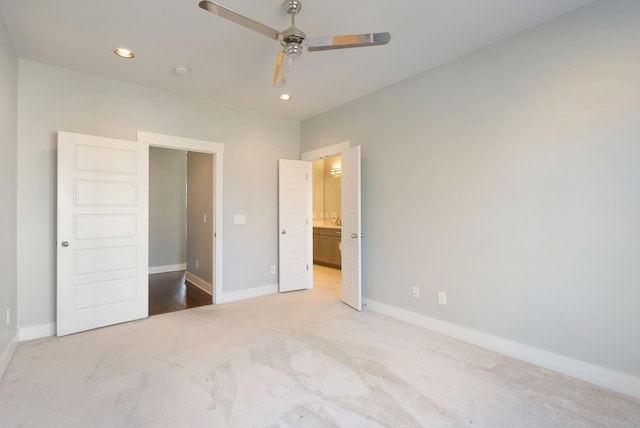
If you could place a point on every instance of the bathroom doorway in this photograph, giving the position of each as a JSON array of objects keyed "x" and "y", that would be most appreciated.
[{"x": 327, "y": 222}]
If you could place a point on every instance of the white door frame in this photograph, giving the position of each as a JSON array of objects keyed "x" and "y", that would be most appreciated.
[
  {"x": 325, "y": 152},
  {"x": 217, "y": 150}
]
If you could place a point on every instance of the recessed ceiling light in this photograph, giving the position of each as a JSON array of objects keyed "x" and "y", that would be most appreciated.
[
  {"x": 285, "y": 97},
  {"x": 124, "y": 53}
]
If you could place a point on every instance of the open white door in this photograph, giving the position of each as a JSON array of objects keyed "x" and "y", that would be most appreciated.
[
  {"x": 295, "y": 228},
  {"x": 102, "y": 241},
  {"x": 351, "y": 229}
]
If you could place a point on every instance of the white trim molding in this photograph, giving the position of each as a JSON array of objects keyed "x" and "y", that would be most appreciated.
[
  {"x": 205, "y": 286},
  {"x": 167, "y": 268},
  {"x": 597, "y": 375},
  {"x": 217, "y": 150},
  {"x": 250, "y": 293},
  {"x": 7, "y": 354},
  {"x": 183, "y": 143},
  {"x": 37, "y": 331},
  {"x": 325, "y": 152}
]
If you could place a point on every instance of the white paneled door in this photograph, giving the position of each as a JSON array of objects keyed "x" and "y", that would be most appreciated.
[
  {"x": 102, "y": 238},
  {"x": 351, "y": 229},
  {"x": 294, "y": 202}
]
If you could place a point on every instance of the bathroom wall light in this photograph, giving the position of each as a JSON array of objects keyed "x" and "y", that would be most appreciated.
[
  {"x": 124, "y": 53},
  {"x": 336, "y": 172}
]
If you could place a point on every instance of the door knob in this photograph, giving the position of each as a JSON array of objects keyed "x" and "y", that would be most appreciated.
[
  {"x": 284, "y": 231},
  {"x": 65, "y": 243},
  {"x": 354, "y": 236}
]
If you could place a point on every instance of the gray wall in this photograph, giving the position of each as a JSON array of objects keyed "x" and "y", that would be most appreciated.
[
  {"x": 199, "y": 204},
  {"x": 53, "y": 98},
  {"x": 509, "y": 179},
  {"x": 8, "y": 141},
  {"x": 167, "y": 207}
]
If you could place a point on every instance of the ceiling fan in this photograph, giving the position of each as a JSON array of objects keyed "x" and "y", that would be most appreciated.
[{"x": 292, "y": 39}]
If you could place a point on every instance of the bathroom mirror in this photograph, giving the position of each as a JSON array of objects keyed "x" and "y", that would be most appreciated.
[{"x": 326, "y": 190}]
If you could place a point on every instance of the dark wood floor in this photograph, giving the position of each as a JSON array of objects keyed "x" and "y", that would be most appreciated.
[{"x": 169, "y": 292}]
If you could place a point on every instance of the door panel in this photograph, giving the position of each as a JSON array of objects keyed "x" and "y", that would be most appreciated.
[
  {"x": 102, "y": 248},
  {"x": 88, "y": 192},
  {"x": 105, "y": 226},
  {"x": 351, "y": 229},
  {"x": 295, "y": 225}
]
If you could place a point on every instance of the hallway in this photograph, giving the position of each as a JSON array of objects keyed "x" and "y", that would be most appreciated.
[{"x": 169, "y": 292}]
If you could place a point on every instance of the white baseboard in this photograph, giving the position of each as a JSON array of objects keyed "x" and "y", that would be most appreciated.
[
  {"x": 205, "y": 286},
  {"x": 167, "y": 268},
  {"x": 7, "y": 354},
  {"x": 606, "y": 378},
  {"x": 249, "y": 293},
  {"x": 37, "y": 331}
]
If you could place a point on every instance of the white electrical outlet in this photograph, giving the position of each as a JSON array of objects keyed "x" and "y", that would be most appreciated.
[
  {"x": 273, "y": 269},
  {"x": 416, "y": 291},
  {"x": 197, "y": 264},
  {"x": 8, "y": 317},
  {"x": 442, "y": 298}
]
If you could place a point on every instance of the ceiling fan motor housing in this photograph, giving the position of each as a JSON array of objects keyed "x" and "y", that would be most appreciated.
[
  {"x": 292, "y": 40},
  {"x": 293, "y": 35}
]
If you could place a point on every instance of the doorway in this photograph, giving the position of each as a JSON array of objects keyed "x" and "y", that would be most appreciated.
[
  {"x": 216, "y": 150},
  {"x": 327, "y": 225},
  {"x": 350, "y": 231},
  {"x": 103, "y": 229},
  {"x": 180, "y": 230}
]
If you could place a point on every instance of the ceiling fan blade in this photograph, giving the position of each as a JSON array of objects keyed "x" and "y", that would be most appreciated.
[
  {"x": 283, "y": 67},
  {"x": 239, "y": 19},
  {"x": 350, "y": 41}
]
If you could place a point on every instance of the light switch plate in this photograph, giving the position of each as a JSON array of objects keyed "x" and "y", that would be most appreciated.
[
  {"x": 239, "y": 219},
  {"x": 442, "y": 298}
]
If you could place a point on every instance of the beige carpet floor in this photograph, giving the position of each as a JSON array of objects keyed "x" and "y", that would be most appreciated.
[{"x": 300, "y": 359}]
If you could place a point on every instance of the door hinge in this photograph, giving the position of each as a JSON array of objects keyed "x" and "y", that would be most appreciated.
[
  {"x": 307, "y": 222},
  {"x": 307, "y": 267},
  {"x": 307, "y": 175}
]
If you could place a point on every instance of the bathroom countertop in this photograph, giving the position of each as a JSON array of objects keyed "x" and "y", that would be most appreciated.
[{"x": 328, "y": 226}]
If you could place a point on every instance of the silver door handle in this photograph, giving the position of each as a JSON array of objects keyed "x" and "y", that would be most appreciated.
[
  {"x": 354, "y": 236},
  {"x": 65, "y": 243},
  {"x": 284, "y": 231}
]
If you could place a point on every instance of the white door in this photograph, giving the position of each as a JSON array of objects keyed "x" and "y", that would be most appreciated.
[
  {"x": 295, "y": 229},
  {"x": 102, "y": 241},
  {"x": 351, "y": 229}
]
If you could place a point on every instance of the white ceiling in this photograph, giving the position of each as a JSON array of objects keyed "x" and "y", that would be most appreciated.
[{"x": 233, "y": 65}]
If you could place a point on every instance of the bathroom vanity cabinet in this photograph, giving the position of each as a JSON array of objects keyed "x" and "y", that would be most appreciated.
[{"x": 326, "y": 246}]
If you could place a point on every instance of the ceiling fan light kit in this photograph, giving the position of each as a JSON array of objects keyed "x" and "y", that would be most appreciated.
[{"x": 293, "y": 40}]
